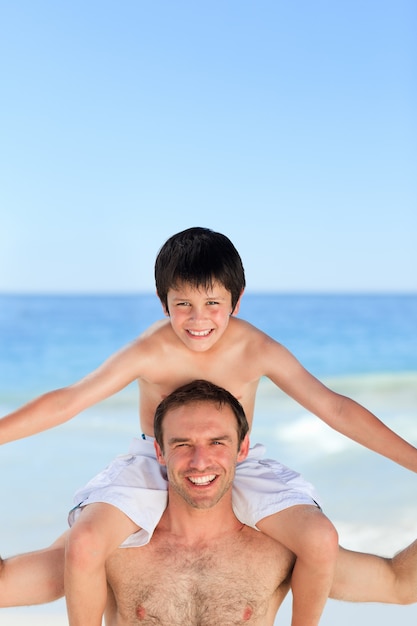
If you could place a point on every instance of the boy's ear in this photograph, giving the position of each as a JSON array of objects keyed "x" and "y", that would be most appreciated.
[
  {"x": 237, "y": 307},
  {"x": 165, "y": 310},
  {"x": 159, "y": 454}
]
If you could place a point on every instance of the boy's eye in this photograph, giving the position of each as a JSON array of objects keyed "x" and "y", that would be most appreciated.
[
  {"x": 212, "y": 302},
  {"x": 183, "y": 304}
]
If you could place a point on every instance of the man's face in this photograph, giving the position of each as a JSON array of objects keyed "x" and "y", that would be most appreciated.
[
  {"x": 199, "y": 317},
  {"x": 200, "y": 452}
]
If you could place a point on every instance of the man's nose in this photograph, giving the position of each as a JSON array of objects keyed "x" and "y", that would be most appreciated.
[{"x": 200, "y": 458}]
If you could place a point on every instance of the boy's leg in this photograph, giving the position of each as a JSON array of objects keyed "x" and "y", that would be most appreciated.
[
  {"x": 99, "y": 529},
  {"x": 363, "y": 577},
  {"x": 33, "y": 578},
  {"x": 313, "y": 539}
]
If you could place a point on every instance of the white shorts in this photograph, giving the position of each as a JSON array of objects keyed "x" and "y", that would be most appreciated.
[{"x": 136, "y": 484}]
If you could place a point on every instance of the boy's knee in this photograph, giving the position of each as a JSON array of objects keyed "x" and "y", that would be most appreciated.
[
  {"x": 321, "y": 540},
  {"x": 83, "y": 546}
]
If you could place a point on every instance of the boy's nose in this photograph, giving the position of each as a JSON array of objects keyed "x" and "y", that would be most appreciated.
[{"x": 198, "y": 313}]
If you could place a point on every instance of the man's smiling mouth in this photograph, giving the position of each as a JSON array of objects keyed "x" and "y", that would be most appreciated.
[{"x": 202, "y": 480}]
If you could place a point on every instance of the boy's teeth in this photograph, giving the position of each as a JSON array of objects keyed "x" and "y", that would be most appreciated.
[
  {"x": 199, "y": 333},
  {"x": 202, "y": 480}
]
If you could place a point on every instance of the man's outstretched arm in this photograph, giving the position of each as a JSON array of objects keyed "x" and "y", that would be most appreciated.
[
  {"x": 364, "y": 577},
  {"x": 33, "y": 578}
]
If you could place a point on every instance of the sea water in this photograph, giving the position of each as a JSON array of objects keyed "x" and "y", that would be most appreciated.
[{"x": 364, "y": 346}]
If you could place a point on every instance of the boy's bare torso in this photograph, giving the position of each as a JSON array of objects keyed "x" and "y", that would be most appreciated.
[
  {"x": 241, "y": 578},
  {"x": 233, "y": 362}
]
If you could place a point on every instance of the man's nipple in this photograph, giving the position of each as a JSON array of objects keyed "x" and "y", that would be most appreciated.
[
  {"x": 140, "y": 612},
  {"x": 247, "y": 614}
]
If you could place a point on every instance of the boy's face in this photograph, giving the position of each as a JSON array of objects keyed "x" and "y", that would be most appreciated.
[{"x": 199, "y": 317}]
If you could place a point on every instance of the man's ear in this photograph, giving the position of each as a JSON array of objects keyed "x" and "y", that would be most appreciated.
[
  {"x": 244, "y": 449},
  {"x": 237, "y": 307},
  {"x": 159, "y": 453}
]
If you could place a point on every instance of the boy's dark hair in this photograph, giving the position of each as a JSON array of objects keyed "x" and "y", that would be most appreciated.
[
  {"x": 194, "y": 393},
  {"x": 200, "y": 257}
]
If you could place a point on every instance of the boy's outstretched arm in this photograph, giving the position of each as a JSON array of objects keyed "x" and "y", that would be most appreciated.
[
  {"x": 341, "y": 413},
  {"x": 58, "y": 406},
  {"x": 362, "y": 426}
]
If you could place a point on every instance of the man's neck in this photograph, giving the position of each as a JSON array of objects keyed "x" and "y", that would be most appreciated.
[{"x": 194, "y": 525}]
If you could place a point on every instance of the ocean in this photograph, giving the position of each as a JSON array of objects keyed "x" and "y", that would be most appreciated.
[{"x": 364, "y": 346}]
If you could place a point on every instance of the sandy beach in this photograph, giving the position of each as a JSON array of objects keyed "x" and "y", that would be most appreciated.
[
  {"x": 37, "y": 616},
  {"x": 33, "y": 620}
]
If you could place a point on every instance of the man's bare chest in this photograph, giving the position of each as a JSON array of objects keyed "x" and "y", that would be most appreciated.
[{"x": 197, "y": 588}]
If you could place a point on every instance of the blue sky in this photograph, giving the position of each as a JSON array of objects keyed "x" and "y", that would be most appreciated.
[{"x": 289, "y": 126}]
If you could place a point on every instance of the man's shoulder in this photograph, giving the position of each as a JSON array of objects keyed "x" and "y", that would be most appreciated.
[{"x": 258, "y": 540}]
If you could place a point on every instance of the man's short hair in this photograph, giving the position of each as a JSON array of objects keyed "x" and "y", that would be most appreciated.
[
  {"x": 199, "y": 256},
  {"x": 200, "y": 391}
]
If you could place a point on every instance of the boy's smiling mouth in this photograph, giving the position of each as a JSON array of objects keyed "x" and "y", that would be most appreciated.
[{"x": 200, "y": 333}]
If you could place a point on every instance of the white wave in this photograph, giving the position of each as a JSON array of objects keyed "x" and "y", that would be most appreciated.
[
  {"x": 311, "y": 434},
  {"x": 282, "y": 422}
]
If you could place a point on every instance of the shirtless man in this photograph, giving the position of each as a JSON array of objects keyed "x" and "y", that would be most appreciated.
[{"x": 202, "y": 565}]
